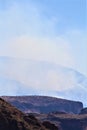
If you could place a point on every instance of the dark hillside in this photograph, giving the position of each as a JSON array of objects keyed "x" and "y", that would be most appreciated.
[
  {"x": 44, "y": 104},
  {"x": 13, "y": 119}
]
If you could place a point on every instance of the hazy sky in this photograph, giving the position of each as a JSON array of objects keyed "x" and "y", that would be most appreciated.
[{"x": 45, "y": 30}]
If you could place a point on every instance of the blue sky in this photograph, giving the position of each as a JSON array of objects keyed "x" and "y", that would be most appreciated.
[{"x": 45, "y": 30}]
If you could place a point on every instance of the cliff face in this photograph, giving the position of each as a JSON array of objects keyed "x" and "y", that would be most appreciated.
[
  {"x": 43, "y": 104},
  {"x": 83, "y": 111},
  {"x": 72, "y": 122},
  {"x": 66, "y": 121}
]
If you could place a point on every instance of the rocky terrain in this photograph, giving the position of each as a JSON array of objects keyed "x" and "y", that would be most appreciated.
[
  {"x": 13, "y": 119},
  {"x": 44, "y": 104},
  {"x": 65, "y": 121},
  {"x": 83, "y": 111},
  {"x": 42, "y": 113}
]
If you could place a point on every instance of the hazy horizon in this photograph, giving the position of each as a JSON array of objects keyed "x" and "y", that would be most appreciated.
[{"x": 50, "y": 33}]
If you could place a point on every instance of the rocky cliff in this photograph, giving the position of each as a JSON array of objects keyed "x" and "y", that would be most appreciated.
[
  {"x": 44, "y": 104},
  {"x": 65, "y": 121},
  {"x": 83, "y": 111}
]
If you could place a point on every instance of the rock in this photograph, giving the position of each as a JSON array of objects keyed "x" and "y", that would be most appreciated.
[
  {"x": 44, "y": 104},
  {"x": 49, "y": 125},
  {"x": 83, "y": 111},
  {"x": 66, "y": 121},
  {"x": 13, "y": 119}
]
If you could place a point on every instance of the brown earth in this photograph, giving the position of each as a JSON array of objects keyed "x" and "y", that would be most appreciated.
[{"x": 13, "y": 119}]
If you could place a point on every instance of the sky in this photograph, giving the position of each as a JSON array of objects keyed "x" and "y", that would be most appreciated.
[{"x": 45, "y": 30}]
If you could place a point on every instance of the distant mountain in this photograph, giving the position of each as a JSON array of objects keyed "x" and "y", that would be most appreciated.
[
  {"x": 27, "y": 77},
  {"x": 13, "y": 87},
  {"x": 44, "y": 104}
]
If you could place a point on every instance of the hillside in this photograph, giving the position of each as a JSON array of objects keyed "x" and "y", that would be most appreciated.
[
  {"x": 43, "y": 104},
  {"x": 65, "y": 121},
  {"x": 13, "y": 119}
]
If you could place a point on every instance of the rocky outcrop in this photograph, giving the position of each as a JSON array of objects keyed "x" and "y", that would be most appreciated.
[
  {"x": 83, "y": 111},
  {"x": 65, "y": 121},
  {"x": 44, "y": 104},
  {"x": 71, "y": 122},
  {"x": 50, "y": 126}
]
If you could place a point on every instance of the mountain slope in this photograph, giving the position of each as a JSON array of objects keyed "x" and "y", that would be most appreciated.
[
  {"x": 66, "y": 121},
  {"x": 13, "y": 119},
  {"x": 44, "y": 104}
]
